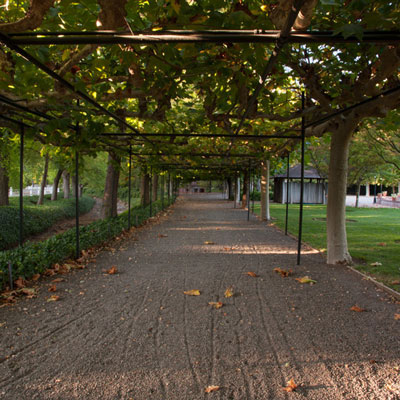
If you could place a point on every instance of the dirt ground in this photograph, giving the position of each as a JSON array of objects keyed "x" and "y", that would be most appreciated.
[{"x": 136, "y": 335}]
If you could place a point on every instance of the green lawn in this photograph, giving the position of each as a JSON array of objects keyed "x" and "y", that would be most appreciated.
[{"x": 373, "y": 235}]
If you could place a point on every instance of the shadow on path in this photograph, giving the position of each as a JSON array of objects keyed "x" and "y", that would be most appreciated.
[{"x": 135, "y": 335}]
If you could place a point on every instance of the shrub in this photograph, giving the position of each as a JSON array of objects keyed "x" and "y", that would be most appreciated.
[
  {"x": 34, "y": 258},
  {"x": 37, "y": 218}
]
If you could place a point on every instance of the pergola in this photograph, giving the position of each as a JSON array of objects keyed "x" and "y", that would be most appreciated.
[{"x": 131, "y": 134}]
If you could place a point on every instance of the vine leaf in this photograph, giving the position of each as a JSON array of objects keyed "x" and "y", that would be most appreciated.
[
  {"x": 212, "y": 388},
  {"x": 229, "y": 292},
  {"x": 193, "y": 292},
  {"x": 291, "y": 386}
]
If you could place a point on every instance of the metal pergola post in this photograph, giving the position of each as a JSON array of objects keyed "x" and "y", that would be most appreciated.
[
  {"x": 162, "y": 191},
  {"x": 77, "y": 247},
  {"x": 287, "y": 194},
  {"x": 151, "y": 191},
  {"x": 21, "y": 186},
  {"x": 248, "y": 192},
  {"x": 129, "y": 186},
  {"x": 303, "y": 131}
]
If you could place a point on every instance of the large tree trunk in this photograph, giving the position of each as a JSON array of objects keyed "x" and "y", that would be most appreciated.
[
  {"x": 55, "y": 185},
  {"x": 155, "y": 187},
  {"x": 245, "y": 185},
  {"x": 44, "y": 180},
  {"x": 145, "y": 190},
  {"x": 265, "y": 215},
  {"x": 336, "y": 209},
  {"x": 358, "y": 194},
  {"x": 66, "y": 185},
  {"x": 4, "y": 183},
  {"x": 110, "y": 198}
]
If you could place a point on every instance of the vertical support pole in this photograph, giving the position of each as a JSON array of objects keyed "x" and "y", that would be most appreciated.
[
  {"x": 287, "y": 194},
  {"x": 234, "y": 193},
  {"x": 169, "y": 188},
  {"x": 21, "y": 186},
  {"x": 303, "y": 131},
  {"x": 151, "y": 191},
  {"x": 252, "y": 193},
  {"x": 77, "y": 246},
  {"x": 129, "y": 186},
  {"x": 248, "y": 192},
  {"x": 162, "y": 191}
]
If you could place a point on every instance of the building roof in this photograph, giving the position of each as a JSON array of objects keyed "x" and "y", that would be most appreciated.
[{"x": 295, "y": 173}]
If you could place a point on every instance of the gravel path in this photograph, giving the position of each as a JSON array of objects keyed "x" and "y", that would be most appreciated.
[{"x": 135, "y": 335}]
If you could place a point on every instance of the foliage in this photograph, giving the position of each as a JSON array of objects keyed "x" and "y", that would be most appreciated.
[
  {"x": 34, "y": 258},
  {"x": 37, "y": 218}
]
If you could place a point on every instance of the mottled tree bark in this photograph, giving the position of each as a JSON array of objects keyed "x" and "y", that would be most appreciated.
[
  {"x": 155, "y": 187},
  {"x": 44, "y": 180},
  {"x": 265, "y": 215},
  {"x": 55, "y": 185},
  {"x": 110, "y": 198},
  {"x": 145, "y": 190},
  {"x": 245, "y": 185},
  {"x": 66, "y": 184},
  {"x": 4, "y": 185}
]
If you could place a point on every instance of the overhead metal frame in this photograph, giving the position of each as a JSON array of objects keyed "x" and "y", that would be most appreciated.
[{"x": 13, "y": 41}]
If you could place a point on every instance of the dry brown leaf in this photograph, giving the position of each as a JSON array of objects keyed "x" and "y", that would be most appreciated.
[
  {"x": 227, "y": 248},
  {"x": 253, "y": 274},
  {"x": 229, "y": 292},
  {"x": 35, "y": 277},
  {"x": 20, "y": 283},
  {"x": 397, "y": 317},
  {"x": 58, "y": 280},
  {"x": 54, "y": 297},
  {"x": 395, "y": 282},
  {"x": 210, "y": 389},
  {"x": 283, "y": 272},
  {"x": 28, "y": 292},
  {"x": 357, "y": 309},
  {"x": 382, "y": 244},
  {"x": 49, "y": 272},
  {"x": 216, "y": 304},
  {"x": 291, "y": 386},
  {"x": 52, "y": 288},
  {"x": 113, "y": 270},
  {"x": 161, "y": 235},
  {"x": 306, "y": 279},
  {"x": 208, "y": 242},
  {"x": 193, "y": 292}
]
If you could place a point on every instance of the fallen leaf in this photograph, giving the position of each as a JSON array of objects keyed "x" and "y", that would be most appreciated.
[
  {"x": 397, "y": 317},
  {"x": 208, "y": 242},
  {"x": 395, "y": 282},
  {"x": 283, "y": 272},
  {"x": 20, "y": 283},
  {"x": 54, "y": 297},
  {"x": 210, "y": 389},
  {"x": 28, "y": 292},
  {"x": 49, "y": 272},
  {"x": 383, "y": 244},
  {"x": 160, "y": 235},
  {"x": 58, "y": 280},
  {"x": 193, "y": 292},
  {"x": 229, "y": 292},
  {"x": 376, "y": 264},
  {"x": 357, "y": 309},
  {"x": 253, "y": 274},
  {"x": 291, "y": 386},
  {"x": 306, "y": 279},
  {"x": 52, "y": 288},
  {"x": 227, "y": 248},
  {"x": 35, "y": 277},
  {"x": 113, "y": 270},
  {"x": 216, "y": 304}
]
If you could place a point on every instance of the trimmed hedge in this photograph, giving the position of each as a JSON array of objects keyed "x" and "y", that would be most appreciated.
[
  {"x": 34, "y": 258},
  {"x": 37, "y": 218}
]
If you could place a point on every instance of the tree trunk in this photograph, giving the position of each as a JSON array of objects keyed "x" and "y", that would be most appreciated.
[
  {"x": 110, "y": 198},
  {"x": 4, "y": 184},
  {"x": 245, "y": 185},
  {"x": 237, "y": 193},
  {"x": 44, "y": 180},
  {"x": 155, "y": 187},
  {"x": 55, "y": 185},
  {"x": 66, "y": 186},
  {"x": 336, "y": 209},
  {"x": 265, "y": 215},
  {"x": 145, "y": 190},
  {"x": 209, "y": 186},
  {"x": 230, "y": 188},
  {"x": 73, "y": 182},
  {"x": 358, "y": 194}
]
